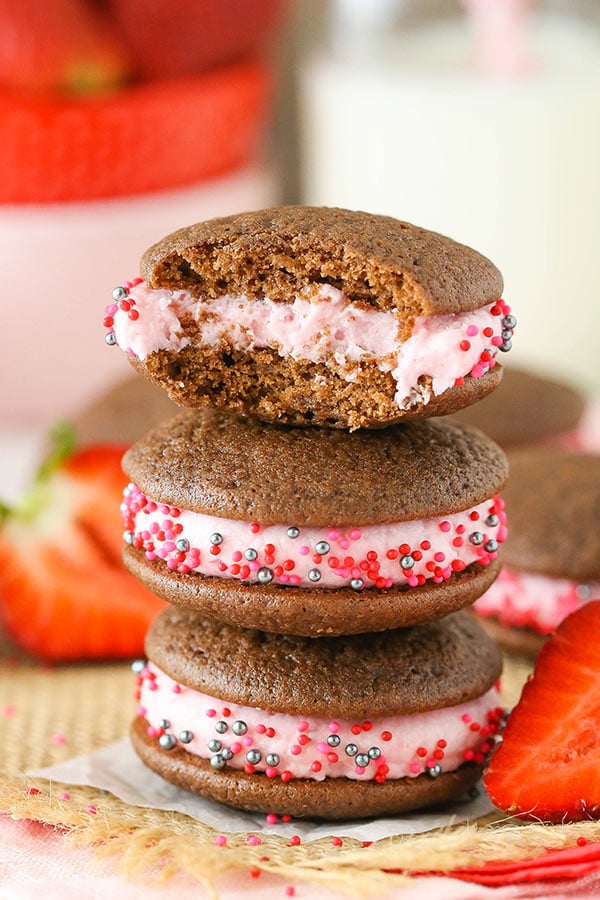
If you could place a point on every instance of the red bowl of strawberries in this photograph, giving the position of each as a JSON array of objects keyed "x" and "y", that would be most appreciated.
[{"x": 124, "y": 97}]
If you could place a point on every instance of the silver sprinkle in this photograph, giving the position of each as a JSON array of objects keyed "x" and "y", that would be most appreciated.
[
  {"x": 583, "y": 591},
  {"x": 164, "y": 724},
  {"x": 183, "y": 545},
  {"x": 491, "y": 546},
  {"x": 221, "y": 727},
  {"x": 351, "y": 749},
  {"x": 434, "y": 771},
  {"x": 505, "y": 347},
  {"x": 250, "y": 554},
  {"x": 374, "y": 753},
  {"x": 506, "y": 334},
  {"x": 167, "y": 741},
  {"x": 216, "y": 538},
  {"x": 227, "y": 753},
  {"x": 265, "y": 575},
  {"x": 322, "y": 547},
  {"x": 407, "y": 562},
  {"x": 492, "y": 521},
  {"x": 293, "y": 532},
  {"x": 509, "y": 321},
  {"x": 128, "y": 537},
  {"x": 110, "y": 338},
  {"x": 357, "y": 584},
  {"x": 239, "y": 727},
  {"x": 215, "y": 746},
  {"x": 314, "y": 575},
  {"x": 361, "y": 759},
  {"x": 253, "y": 757},
  {"x": 186, "y": 737},
  {"x": 119, "y": 293},
  {"x": 272, "y": 759},
  {"x": 217, "y": 761},
  {"x": 138, "y": 666},
  {"x": 333, "y": 740},
  {"x": 476, "y": 537}
]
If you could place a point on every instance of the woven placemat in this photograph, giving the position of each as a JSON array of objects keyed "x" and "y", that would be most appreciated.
[{"x": 48, "y": 714}]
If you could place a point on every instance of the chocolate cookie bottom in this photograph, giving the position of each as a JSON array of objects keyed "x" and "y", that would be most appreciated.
[
  {"x": 311, "y": 612},
  {"x": 292, "y": 392},
  {"x": 332, "y": 798},
  {"x": 524, "y": 641}
]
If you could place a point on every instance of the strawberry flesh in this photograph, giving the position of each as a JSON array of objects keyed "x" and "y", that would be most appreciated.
[
  {"x": 64, "y": 592},
  {"x": 548, "y": 765}
]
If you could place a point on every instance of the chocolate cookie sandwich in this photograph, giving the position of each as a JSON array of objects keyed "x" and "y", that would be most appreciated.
[
  {"x": 314, "y": 531},
  {"x": 315, "y": 316},
  {"x": 528, "y": 410},
  {"x": 335, "y": 728},
  {"x": 552, "y": 557}
]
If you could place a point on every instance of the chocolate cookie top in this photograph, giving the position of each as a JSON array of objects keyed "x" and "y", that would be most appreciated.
[
  {"x": 399, "y": 672},
  {"x": 217, "y": 463},
  {"x": 525, "y": 409},
  {"x": 553, "y": 508},
  {"x": 375, "y": 260}
]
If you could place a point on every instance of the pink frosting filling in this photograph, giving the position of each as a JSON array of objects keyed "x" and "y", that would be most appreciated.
[
  {"x": 319, "y": 325},
  {"x": 526, "y": 600},
  {"x": 289, "y": 746},
  {"x": 397, "y": 553}
]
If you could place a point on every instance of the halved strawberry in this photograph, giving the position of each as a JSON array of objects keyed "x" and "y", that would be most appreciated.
[
  {"x": 64, "y": 592},
  {"x": 548, "y": 765}
]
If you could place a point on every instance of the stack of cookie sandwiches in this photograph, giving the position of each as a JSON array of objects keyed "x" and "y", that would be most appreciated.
[{"x": 317, "y": 535}]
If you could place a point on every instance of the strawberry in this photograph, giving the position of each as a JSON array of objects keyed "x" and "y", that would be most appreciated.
[
  {"x": 171, "y": 38},
  {"x": 548, "y": 765},
  {"x": 59, "y": 46},
  {"x": 64, "y": 592}
]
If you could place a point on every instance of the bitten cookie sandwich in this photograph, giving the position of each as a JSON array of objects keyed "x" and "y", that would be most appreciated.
[
  {"x": 313, "y": 316},
  {"x": 552, "y": 557},
  {"x": 334, "y": 728},
  {"x": 314, "y": 531}
]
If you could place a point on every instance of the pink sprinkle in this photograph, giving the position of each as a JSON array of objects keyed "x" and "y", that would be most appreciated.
[
  {"x": 8, "y": 711},
  {"x": 322, "y": 747},
  {"x": 220, "y": 840},
  {"x": 467, "y": 717},
  {"x": 260, "y": 729},
  {"x": 360, "y": 770},
  {"x": 176, "y": 688},
  {"x": 290, "y": 891},
  {"x": 303, "y": 550},
  {"x": 412, "y": 581},
  {"x": 254, "y": 840},
  {"x": 337, "y": 841},
  {"x": 91, "y": 810},
  {"x": 236, "y": 555},
  {"x": 472, "y": 330},
  {"x": 477, "y": 371},
  {"x": 65, "y": 795},
  {"x": 355, "y": 534},
  {"x": 333, "y": 535},
  {"x": 294, "y": 579},
  {"x": 415, "y": 768},
  {"x": 303, "y": 726},
  {"x": 247, "y": 741},
  {"x": 344, "y": 543},
  {"x": 58, "y": 738},
  {"x": 445, "y": 526},
  {"x": 439, "y": 557},
  {"x": 295, "y": 749},
  {"x": 334, "y": 727},
  {"x": 236, "y": 747},
  {"x": 211, "y": 713},
  {"x": 271, "y": 819}
]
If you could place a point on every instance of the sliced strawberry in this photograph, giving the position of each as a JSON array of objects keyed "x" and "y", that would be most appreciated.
[
  {"x": 64, "y": 592},
  {"x": 59, "y": 45},
  {"x": 548, "y": 765}
]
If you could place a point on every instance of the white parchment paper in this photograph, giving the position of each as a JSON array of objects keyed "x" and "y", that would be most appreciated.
[{"x": 117, "y": 769}]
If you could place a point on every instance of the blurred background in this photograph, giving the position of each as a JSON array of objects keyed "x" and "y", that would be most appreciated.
[{"x": 121, "y": 120}]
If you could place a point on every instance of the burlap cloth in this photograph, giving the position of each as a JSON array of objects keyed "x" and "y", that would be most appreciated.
[{"x": 49, "y": 714}]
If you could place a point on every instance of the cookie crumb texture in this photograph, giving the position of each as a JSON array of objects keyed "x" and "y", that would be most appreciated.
[{"x": 378, "y": 262}]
